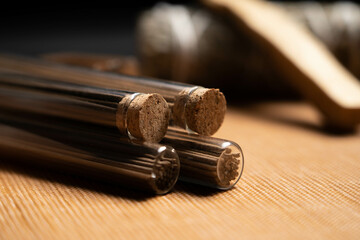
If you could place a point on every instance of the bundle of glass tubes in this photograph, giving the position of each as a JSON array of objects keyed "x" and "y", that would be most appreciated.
[{"x": 126, "y": 130}]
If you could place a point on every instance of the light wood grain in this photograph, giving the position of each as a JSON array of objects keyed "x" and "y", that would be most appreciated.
[{"x": 299, "y": 182}]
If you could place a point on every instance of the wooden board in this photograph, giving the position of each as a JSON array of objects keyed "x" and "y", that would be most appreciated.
[
  {"x": 299, "y": 183},
  {"x": 304, "y": 60}
]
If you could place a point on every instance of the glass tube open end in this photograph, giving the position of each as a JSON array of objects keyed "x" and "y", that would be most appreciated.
[
  {"x": 230, "y": 165},
  {"x": 166, "y": 170}
]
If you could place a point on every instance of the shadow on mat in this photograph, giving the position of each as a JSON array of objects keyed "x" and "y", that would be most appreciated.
[{"x": 7, "y": 164}]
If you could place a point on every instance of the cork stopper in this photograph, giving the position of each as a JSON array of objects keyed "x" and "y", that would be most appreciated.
[
  {"x": 202, "y": 110},
  {"x": 143, "y": 116}
]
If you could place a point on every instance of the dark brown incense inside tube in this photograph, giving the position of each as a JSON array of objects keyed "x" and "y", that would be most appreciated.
[
  {"x": 209, "y": 161},
  {"x": 87, "y": 150}
]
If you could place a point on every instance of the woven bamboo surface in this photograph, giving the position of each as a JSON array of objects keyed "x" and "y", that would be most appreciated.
[{"x": 299, "y": 183}]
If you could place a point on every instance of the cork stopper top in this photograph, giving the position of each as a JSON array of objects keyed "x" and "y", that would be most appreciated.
[
  {"x": 145, "y": 116},
  {"x": 202, "y": 110}
]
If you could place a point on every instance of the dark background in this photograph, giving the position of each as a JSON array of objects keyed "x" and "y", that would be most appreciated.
[
  {"x": 35, "y": 31},
  {"x": 99, "y": 30}
]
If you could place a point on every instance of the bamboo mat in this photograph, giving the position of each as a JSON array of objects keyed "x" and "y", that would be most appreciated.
[{"x": 299, "y": 183}]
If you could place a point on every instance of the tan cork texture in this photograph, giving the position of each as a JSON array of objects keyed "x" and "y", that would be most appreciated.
[
  {"x": 148, "y": 117},
  {"x": 205, "y": 110}
]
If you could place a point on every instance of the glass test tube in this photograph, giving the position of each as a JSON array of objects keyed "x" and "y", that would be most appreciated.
[
  {"x": 208, "y": 161},
  {"x": 196, "y": 108},
  {"x": 148, "y": 166},
  {"x": 141, "y": 116}
]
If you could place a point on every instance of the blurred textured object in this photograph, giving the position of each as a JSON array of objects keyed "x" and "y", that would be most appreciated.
[
  {"x": 336, "y": 24},
  {"x": 203, "y": 47}
]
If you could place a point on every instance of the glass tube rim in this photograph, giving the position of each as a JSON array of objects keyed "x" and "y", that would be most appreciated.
[
  {"x": 225, "y": 145},
  {"x": 161, "y": 151}
]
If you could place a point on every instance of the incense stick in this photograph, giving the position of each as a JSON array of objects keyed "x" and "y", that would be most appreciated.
[
  {"x": 208, "y": 161},
  {"x": 199, "y": 109},
  {"x": 142, "y": 116}
]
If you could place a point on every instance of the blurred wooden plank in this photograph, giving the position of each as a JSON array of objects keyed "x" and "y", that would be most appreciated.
[
  {"x": 299, "y": 183},
  {"x": 302, "y": 58}
]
